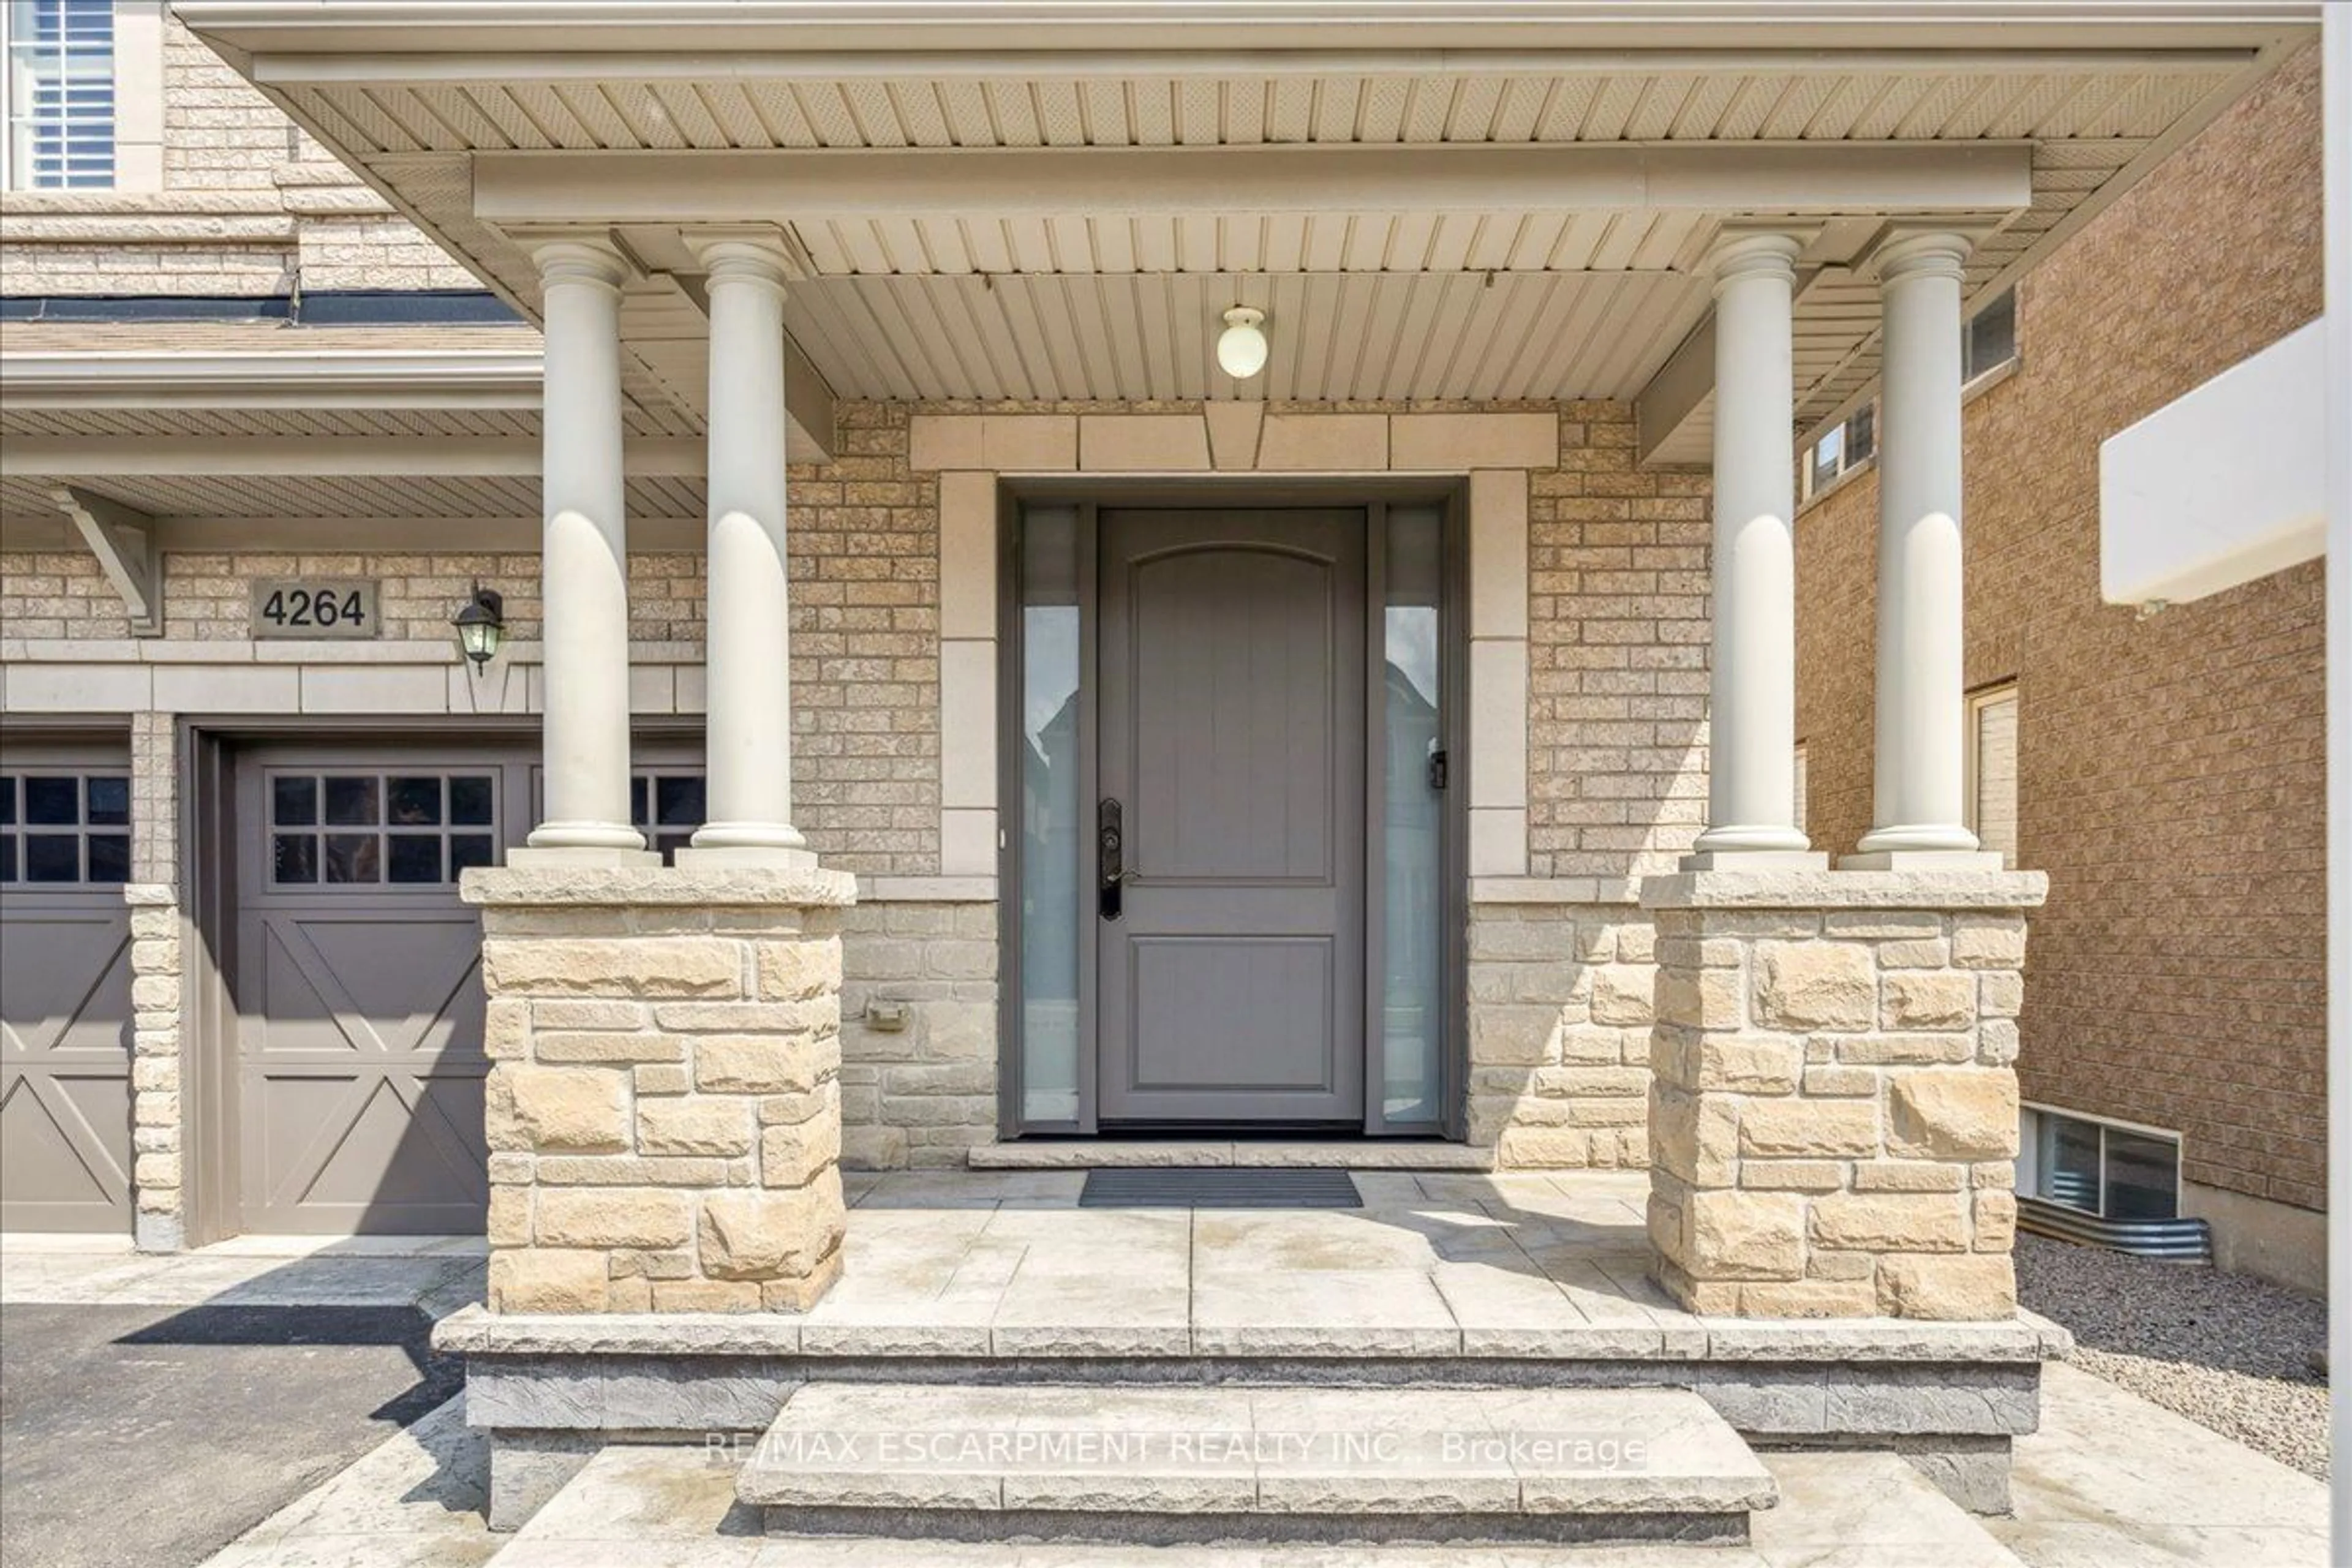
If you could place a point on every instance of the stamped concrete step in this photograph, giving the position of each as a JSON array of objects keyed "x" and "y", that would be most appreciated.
[
  {"x": 1176, "y": 1464},
  {"x": 673, "y": 1505}
]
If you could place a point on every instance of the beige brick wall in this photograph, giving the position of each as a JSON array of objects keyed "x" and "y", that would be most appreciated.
[
  {"x": 1617, "y": 649},
  {"x": 1560, "y": 1033},
  {"x": 219, "y": 132},
  {"x": 918, "y": 1096},
  {"x": 2171, "y": 768},
  {"x": 250, "y": 205}
]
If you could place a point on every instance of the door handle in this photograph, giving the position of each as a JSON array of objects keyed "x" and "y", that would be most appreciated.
[{"x": 1110, "y": 843}]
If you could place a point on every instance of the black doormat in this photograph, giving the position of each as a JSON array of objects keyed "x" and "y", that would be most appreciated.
[{"x": 1217, "y": 1187}]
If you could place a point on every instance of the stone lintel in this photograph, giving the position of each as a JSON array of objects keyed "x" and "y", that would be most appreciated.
[
  {"x": 602, "y": 887},
  {"x": 1798, "y": 890}
]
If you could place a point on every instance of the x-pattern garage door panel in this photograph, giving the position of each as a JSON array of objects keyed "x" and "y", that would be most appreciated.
[
  {"x": 65, "y": 1086},
  {"x": 65, "y": 988},
  {"x": 362, "y": 1084}
]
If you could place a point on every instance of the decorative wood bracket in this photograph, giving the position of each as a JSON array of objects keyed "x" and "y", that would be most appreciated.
[{"x": 124, "y": 543}]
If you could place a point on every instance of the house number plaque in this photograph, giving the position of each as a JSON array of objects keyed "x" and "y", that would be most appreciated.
[{"x": 315, "y": 607}]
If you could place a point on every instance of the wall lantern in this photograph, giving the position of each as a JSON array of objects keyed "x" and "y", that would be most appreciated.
[
  {"x": 1241, "y": 347},
  {"x": 480, "y": 625}
]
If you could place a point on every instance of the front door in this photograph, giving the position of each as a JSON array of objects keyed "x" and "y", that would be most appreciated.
[{"x": 1230, "y": 914}]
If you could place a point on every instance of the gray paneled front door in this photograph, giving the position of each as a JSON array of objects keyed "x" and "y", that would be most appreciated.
[{"x": 1231, "y": 983}]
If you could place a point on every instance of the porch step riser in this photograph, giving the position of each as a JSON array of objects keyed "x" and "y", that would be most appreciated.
[
  {"x": 1138, "y": 1528},
  {"x": 1781, "y": 1400},
  {"x": 1262, "y": 1465}
]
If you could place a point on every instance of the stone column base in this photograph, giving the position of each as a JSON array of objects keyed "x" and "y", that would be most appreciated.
[
  {"x": 1833, "y": 1110},
  {"x": 664, "y": 1105}
]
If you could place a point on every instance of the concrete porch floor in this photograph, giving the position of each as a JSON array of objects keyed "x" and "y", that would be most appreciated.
[{"x": 1432, "y": 1264}]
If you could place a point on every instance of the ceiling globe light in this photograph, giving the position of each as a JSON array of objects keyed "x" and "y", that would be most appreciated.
[{"x": 1241, "y": 347}]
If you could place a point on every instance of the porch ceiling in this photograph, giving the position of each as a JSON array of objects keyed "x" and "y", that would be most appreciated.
[{"x": 1060, "y": 300}]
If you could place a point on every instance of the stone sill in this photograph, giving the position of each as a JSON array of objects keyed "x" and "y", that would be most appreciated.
[
  {"x": 624, "y": 887},
  {"x": 887, "y": 890},
  {"x": 1554, "y": 890},
  {"x": 1816, "y": 890},
  {"x": 1086, "y": 1153},
  {"x": 476, "y": 1331}
]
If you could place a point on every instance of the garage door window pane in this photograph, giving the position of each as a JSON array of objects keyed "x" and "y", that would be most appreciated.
[
  {"x": 109, "y": 800},
  {"x": 7, "y": 802},
  {"x": 679, "y": 802},
  {"x": 416, "y": 858},
  {"x": 667, "y": 805},
  {"x": 109, "y": 858},
  {"x": 413, "y": 803},
  {"x": 294, "y": 858},
  {"x": 294, "y": 803},
  {"x": 53, "y": 857},
  {"x": 7, "y": 859},
  {"x": 352, "y": 856},
  {"x": 467, "y": 850},
  {"x": 470, "y": 800},
  {"x": 53, "y": 802},
  {"x": 351, "y": 802}
]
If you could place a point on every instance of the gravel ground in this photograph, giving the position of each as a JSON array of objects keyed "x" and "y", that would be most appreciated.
[{"x": 2228, "y": 1351}]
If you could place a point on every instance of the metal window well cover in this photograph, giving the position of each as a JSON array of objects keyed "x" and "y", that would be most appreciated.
[{"x": 1218, "y": 1187}]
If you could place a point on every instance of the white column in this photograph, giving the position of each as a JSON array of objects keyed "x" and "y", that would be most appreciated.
[
  {"x": 748, "y": 712},
  {"x": 1920, "y": 802},
  {"x": 584, "y": 565},
  {"x": 1752, "y": 683}
]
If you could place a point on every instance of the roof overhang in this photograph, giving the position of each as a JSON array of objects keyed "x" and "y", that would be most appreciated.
[
  {"x": 1055, "y": 199},
  {"x": 405, "y": 32},
  {"x": 272, "y": 378}
]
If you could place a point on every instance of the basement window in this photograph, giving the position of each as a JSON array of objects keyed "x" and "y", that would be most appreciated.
[
  {"x": 2111, "y": 1169},
  {"x": 57, "y": 93}
]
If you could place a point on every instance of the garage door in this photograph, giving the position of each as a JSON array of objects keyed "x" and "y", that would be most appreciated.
[
  {"x": 65, "y": 989},
  {"x": 358, "y": 993},
  {"x": 358, "y": 987}
]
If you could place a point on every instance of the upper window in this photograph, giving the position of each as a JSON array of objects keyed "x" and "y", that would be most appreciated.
[
  {"x": 1841, "y": 449},
  {"x": 65, "y": 827},
  {"x": 1989, "y": 341},
  {"x": 57, "y": 93}
]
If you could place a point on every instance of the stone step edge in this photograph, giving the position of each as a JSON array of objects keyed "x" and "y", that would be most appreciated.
[{"x": 474, "y": 1330}]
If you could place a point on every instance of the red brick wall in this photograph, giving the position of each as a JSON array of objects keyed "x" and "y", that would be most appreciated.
[{"x": 2170, "y": 768}]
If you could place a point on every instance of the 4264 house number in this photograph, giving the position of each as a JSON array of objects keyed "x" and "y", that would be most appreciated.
[{"x": 315, "y": 607}]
